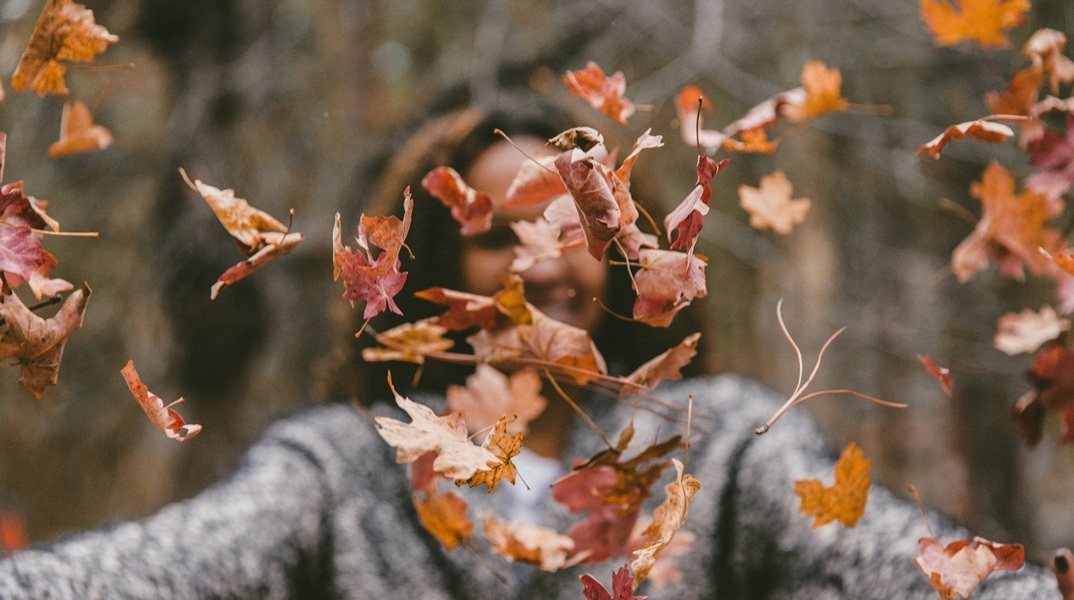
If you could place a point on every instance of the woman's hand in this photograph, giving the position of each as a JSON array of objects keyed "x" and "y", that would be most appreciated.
[{"x": 1063, "y": 567}]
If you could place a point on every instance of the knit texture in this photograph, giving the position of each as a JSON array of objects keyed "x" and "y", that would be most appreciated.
[{"x": 320, "y": 509}]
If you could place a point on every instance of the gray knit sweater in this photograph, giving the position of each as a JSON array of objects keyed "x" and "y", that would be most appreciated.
[{"x": 319, "y": 509}]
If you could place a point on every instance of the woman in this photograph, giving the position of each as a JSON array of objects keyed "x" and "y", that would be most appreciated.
[{"x": 320, "y": 509}]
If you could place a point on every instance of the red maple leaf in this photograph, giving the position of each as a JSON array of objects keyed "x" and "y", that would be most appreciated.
[{"x": 374, "y": 281}]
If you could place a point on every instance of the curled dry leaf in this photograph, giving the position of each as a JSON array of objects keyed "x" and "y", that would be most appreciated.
[
  {"x": 958, "y": 568},
  {"x": 22, "y": 256},
  {"x": 667, "y": 519},
  {"x": 275, "y": 246},
  {"x": 66, "y": 31},
  {"x": 456, "y": 456},
  {"x": 162, "y": 417},
  {"x": 622, "y": 586},
  {"x": 1026, "y": 331},
  {"x": 942, "y": 374},
  {"x": 36, "y": 344},
  {"x": 519, "y": 541},
  {"x": 444, "y": 516},
  {"x": 244, "y": 222},
  {"x": 260, "y": 235},
  {"x": 664, "y": 569},
  {"x": 489, "y": 395},
  {"x": 770, "y": 206},
  {"x": 470, "y": 208},
  {"x": 78, "y": 132},
  {"x": 410, "y": 342},
  {"x": 604, "y": 93},
  {"x": 845, "y": 500},
  {"x": 985, "y": 131},
  {"x": 582, "y": 138},
  {"x": 593, "y": 198},
  {"x": 982, "y": 21},
  {"x": 686, "y": 220}
]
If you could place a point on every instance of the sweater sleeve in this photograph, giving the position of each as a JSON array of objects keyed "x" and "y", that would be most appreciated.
[
  {"x": 773, "y": 552},
  {"x": 254, "y": 535}
]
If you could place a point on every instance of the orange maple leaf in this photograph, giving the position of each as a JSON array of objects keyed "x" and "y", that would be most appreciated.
[
  {"x": 444, "y": 516},
  {"x": 822, "y": 86},
  {"x": 845, "y": 500},
  {"x": 66, "y": 30},
  {"x": 503, "y": 446},
  {"x": 410, "y": 342},
  {"x": 771, "y": 206},
  {"x": 78, "y": 132},
  {"x": 604, "y": 93},
  {"x": 1011, "y": 230},
  {"x": 983, "y": 21}
]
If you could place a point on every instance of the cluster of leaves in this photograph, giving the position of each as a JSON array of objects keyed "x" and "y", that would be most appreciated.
[
  {"x": 67, "y": 33},
  {"x": 1018, "y": 230}
]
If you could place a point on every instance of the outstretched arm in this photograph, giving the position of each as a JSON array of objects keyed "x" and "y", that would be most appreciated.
[{"x": 255, "y": 535}]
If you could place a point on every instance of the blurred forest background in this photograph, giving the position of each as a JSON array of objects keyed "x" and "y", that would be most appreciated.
[{"x": 289, "y": 101}]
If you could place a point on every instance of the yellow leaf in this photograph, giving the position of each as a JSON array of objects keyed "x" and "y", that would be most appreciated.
[
  {"x": 845, "y": 500},
  {"x": 66, "y": 30},
  {"x": 444, "y": 516}
]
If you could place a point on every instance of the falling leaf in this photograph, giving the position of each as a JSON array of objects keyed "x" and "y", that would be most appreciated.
[
  {"x": 260, "y": 235},
  {"x": 593, "y": 198},
  {"x": 536, "y": 181},
  {"x": 22, "y": 256},
  {"x": 410, "y": 342},
  {"x": 688, "y": 105},
  {"x": 78, "y": 132},
  {"x": 1052, "y": 378},
  {"x": 667, "y": 365},
  {"x": 36, "y": 344},
  {"x": 667, "y": 519},
  {"x": 845, "y": 500},
  {"x": 985, "y": 131},
  {"x": 66, "y": 31},
  {"x": 489, "y": 394},
  {"x": 1045, "y": 48},
  {"x": 519, "y": 541},
  {"x": 942, "y": 374},
  {"x": 771, "y": 206},
  {"x": 457, "y": 457},
  {"x": 582, "y": 138},
  {"x": 604, "y": 93},
  {"x": 163, "y": 417},
  {"x": 1011, "y": 230},
  {"x": 611, "y": 490},
  {"x": 374, "y": 281},
  {"x": 822, "y": 93},
  {"x": 686, "y": 220},
  {"x": 1026, "y": 331},
  {"x": 504, "y": 446},
  {"x": 982, "y": 21},
  {"x": 276, "y": 245},
  {"x": 470, "y": 208},
  {"x": 666, "y": 283},
  {"x": 244, "y": 222},
  {"x": 958, "y": 568},
  {"x": 1053, "y": 157},
  {"x": 664, "y": 569},
  {"x": 622, "y": 586},
  {"x": 444, "y": 516}
]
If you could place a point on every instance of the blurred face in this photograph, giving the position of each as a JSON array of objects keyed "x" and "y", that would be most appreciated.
[{"x": 562, "y": 288}]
